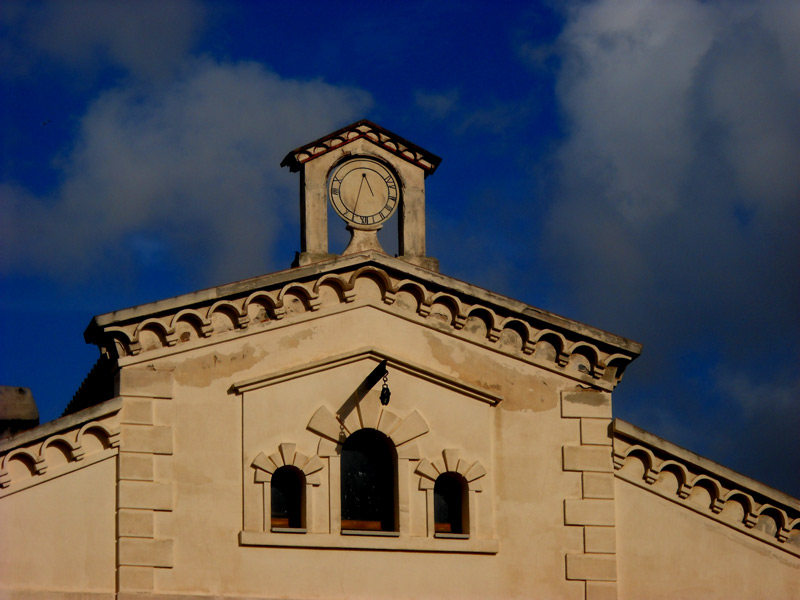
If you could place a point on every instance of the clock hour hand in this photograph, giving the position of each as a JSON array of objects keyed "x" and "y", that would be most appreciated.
[{"x": 364, "y": 178}]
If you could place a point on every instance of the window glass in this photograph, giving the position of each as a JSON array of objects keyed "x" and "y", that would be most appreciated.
[
  {"x": 287, "y": 497},
  {"x": 449, "y": 493},
  {"x": 368, "y": 481}
]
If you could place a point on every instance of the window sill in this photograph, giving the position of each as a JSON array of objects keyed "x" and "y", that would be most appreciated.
[
  {"x": 370, "y": 532},
  {"x": 370, "y": 541},
  {"x": 451, "y": 536},
  {"x": 288, "y": 530}
]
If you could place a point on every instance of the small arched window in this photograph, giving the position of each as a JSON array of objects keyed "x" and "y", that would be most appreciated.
[
  {"x": 369, "y": 473},
  {"x": 450, "y": 508},
  {"x": 286, "y": 497}
]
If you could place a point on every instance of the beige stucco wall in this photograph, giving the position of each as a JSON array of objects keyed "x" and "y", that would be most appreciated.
[
  {"x": 60, "y": 535},
  {"x": 666, "y": 551},
  {"x": 217, "y": 433}
]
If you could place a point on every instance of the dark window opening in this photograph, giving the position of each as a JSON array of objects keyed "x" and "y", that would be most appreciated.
[
  {"x": 449, "y": 504},
  {"x": 287, "y": 497},
  {"x": 368, "y": 482}
]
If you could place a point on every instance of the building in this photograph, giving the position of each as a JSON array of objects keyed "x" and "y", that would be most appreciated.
[{"x": 362, "y": 426}]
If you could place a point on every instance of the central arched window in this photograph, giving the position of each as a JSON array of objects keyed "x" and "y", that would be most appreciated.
[
  {"x": 369, "y": 475},
  {"x": 286, "y": 497}
]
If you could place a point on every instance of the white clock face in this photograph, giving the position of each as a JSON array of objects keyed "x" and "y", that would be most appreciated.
[{"x": 364, "y": 192}]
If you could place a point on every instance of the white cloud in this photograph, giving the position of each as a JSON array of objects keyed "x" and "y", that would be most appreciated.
[
  {"x": 190, "y": 168},
  {"x": 677, "y": 213},
  {"x": 146, "y": 38}
]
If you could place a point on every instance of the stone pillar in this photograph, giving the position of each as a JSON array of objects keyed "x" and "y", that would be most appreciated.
[
  {"x": 595, "y": 510},
  {"x": 145, "y": 438}
]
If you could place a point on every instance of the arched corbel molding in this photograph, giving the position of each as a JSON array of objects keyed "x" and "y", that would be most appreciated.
[
  {"x": 491, "y": 320},
  {"x": 310, "y": 299},
  {"x": 345, "y": 289},
  {"x": 454, "y": 305},
  {"x": 274, "y": 307},
  {"x": 388, "y": 293},
  {"x": 522, "y": 329},
  {"x": 188, "y": 315},
  {"x": 165, "y": 334},
  {"x": 129, "y": 344},
  {"x": 545, "y": 335},
  {"x": 419, "y": 292},
  {"x": 238, "y": 316}
]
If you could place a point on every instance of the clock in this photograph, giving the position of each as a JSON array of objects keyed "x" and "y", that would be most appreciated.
[{"x": 364, "y": 192}]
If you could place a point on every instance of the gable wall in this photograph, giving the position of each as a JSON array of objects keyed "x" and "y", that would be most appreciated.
[
  {"x": 217, "y": 432},
  {"x": 667, "y": 551}
]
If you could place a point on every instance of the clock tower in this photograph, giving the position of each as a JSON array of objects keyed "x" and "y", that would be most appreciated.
[{"x": 369, "y": 176}]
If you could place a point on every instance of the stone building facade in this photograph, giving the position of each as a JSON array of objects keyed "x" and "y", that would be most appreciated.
[{"x": 362, "y": 426}]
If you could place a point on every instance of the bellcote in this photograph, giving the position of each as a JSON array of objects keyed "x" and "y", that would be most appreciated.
[{"x": 370, "y": 176}]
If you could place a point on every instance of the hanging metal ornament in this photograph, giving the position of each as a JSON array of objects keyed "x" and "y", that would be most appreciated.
[{"x": 385, "y": 392}]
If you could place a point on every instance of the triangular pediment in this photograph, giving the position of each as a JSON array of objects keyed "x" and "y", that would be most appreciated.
[{"x": 366, "y": 130}]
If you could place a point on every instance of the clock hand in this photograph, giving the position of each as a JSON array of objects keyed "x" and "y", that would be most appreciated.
[
  {"x": 358, "y": 195},
  {"x": 364, "y": 175}
]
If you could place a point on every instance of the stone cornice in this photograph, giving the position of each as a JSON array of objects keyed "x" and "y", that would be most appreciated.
[
  {"x": 706, "y": 487},
  {"x": 59, "y": 447},
  {"x": 391, "y": 142},
  {"x": 581, "y": 352}
]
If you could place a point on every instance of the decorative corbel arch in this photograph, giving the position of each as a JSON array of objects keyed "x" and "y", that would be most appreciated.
[
  {"x": 345, "y": 289},
  {"x": 388, "y": 292},
  {"x": 188, "y": 315},
  {"x": 522, "y": 329},
  {"x": 491, "y": 320},
  {"x": 275, "y": 307},
  {"x": 157, "y": 327},
  {"x": 310, "y": 299},
  {"x": 238, "y": 316},
  {"x": 459, "y": 318}
]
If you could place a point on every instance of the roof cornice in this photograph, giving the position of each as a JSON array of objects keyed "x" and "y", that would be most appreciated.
[
  {"x": 605, "y": 355},
  {"x": 766, "y": 513}
]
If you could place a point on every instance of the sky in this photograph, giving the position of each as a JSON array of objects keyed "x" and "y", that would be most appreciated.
[{"x": 629, "y": 164}]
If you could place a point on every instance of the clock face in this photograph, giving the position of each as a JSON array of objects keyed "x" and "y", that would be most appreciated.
[{"x": 364, "y": 192}]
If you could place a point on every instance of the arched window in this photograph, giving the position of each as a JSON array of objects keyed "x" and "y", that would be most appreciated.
[
  {"x": 286, "y": 497},
  {"x": 369, "y": 465},
  {"x": 450, "y": 508}
]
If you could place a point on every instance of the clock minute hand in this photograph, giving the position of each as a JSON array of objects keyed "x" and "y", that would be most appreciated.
[{"x": 358, "y": 195}]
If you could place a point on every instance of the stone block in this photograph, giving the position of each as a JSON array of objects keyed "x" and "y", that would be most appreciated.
[
  {"x": 135, "y": 579},
  {"x": 145, "y": 494},
  {"x": 601, "y": 590},
  {"x": 135, "y": 523},
  {"x": 145, "y": 552},
  {"x": 598, "y": 485},
  {"x": 596, "y": 405},
  {"x": 595, "y": 432},
  {"x": 589, "y": 512},
  {"x": 601, "y": 540},
  {"x": 135, "y": 466},
  {"x": 587, "y": 458},
  {"x": 144, "y": 383},
  {"x": 592, "y": 567},
  {"x": 137, "y": 411},
  {"x": 143, "y": 438}
]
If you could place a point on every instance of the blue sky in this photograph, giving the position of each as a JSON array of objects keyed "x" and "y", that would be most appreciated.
[{"x": 626, "y": 163}]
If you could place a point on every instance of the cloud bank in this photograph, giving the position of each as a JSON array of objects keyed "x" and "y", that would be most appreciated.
[
  {"x": 677, "y": 212},
  {"x": 178, "y": 159}
]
